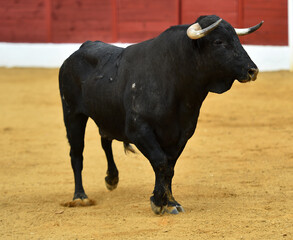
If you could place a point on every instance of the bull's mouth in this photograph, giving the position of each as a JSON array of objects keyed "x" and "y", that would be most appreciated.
[{"x": 244, "y": 80}]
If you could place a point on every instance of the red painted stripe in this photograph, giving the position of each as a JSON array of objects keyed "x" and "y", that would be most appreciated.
[
  {"x": 240, "y": 13},
  {"x": 114, "y": 21},
  {"x": 179, "y": 12},
  {"x": 48, "y": 17}
]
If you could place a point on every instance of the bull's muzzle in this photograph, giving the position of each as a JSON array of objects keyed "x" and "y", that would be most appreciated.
[{"x": 251, "y": 75}]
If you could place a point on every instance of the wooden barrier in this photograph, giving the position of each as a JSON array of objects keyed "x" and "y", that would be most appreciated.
[{"x": 75, "y": 21}]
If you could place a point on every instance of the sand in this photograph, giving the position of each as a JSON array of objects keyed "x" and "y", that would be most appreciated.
[{"x": 234, "y": 178}]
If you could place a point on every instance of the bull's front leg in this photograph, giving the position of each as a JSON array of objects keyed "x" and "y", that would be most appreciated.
[
  {"x": 173, "y": 206},
  {"x": 142, "y": 135}
]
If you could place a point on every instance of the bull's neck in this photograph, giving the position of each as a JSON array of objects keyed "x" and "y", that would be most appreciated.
[{"x": 188, "y": 79}]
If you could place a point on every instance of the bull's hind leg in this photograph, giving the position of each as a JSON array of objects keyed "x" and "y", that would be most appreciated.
[
  {"x": 75, "y": 127},
  {"x": 112, "y": 177}
]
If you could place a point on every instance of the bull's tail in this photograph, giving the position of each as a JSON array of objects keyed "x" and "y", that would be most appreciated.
[{"x": 128, "y": 148}]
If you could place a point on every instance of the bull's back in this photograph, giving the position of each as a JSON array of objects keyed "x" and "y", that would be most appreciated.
[{"x": 88, "y": 81}]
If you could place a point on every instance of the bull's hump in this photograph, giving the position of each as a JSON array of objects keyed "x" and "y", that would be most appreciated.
[{"x": 99, "y": 52}]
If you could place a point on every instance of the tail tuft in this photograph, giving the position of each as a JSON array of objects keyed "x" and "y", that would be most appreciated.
[{"x": 128, "y": 148}]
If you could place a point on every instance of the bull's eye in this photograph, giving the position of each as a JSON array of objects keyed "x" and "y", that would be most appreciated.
[{"x": 218, "y": 42}]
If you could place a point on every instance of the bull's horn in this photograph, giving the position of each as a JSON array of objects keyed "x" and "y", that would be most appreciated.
[
  {"x": 195, "y": 31},
  {"x": 245, "y": 31}
]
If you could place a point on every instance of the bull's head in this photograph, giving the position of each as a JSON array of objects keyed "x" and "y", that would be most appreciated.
[{"x": 222, "y": 54}]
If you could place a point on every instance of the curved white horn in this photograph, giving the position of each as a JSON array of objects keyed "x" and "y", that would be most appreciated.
[
  {"x": 195, "y": 31},
  {"x": 245, "y": 31}
]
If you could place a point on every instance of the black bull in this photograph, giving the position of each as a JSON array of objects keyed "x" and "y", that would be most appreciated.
[{"x": 149, "y": 94}]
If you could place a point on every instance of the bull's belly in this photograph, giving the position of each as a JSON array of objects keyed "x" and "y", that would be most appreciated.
[
  {"x": 102, "y": 102},
  {"x": 110, "y": 122}
]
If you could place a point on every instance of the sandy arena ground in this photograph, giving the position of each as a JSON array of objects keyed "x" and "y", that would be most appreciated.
[{"x": 234, "y": 178}]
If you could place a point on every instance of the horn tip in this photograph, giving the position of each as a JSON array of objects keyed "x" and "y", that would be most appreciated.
[{"x": 261, "y": 23}]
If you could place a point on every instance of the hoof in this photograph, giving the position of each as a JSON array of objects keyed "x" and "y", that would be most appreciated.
[
  {"x": 174, "y": 206},
  {"x": 174, "y": 209},
  {"x": 79, "y": 200},
  {"x": 111, "y": 183},
  {"x": 171, "y": 208},
  {"x": 159, "y": 210},
  {"x": 180, "y": 208},
  {"x": 79, "y": 203}
]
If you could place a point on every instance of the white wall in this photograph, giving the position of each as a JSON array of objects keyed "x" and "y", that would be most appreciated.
[{"x": 267, "y": 58}]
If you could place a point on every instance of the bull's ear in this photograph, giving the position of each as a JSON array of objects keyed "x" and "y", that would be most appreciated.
[{"x": 245, "y": 31}]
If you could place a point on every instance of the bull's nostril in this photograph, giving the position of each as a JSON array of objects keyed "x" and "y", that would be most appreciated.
[{"x": 253, "y": 73}]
